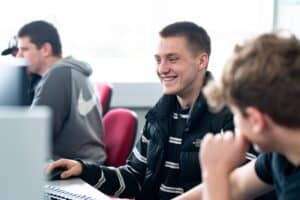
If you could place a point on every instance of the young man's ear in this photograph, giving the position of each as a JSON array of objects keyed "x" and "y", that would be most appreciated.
[
  {"x": 46, "y": 49},
  {"x": 203, "y": 60},
  {"x": 256, "y": 118}
]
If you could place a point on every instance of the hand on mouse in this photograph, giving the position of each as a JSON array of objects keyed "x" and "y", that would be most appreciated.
[
  {"x": 72, "y": 168},
  {"x": 55, "y": 174}
]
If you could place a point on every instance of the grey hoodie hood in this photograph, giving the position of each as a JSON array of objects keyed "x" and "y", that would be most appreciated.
[
  {"x": 77, "y": 65},
  {"x": 76, "y": 127}
]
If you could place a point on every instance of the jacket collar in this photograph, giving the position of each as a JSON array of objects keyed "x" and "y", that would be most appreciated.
[{"x": 165, "y": 105}]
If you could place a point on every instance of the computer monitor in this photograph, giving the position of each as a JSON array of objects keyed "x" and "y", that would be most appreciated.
[
  {"x": 24, "y": 138},
  {"x": 14, "y": 83}
]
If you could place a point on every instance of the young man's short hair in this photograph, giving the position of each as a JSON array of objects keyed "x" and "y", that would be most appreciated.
[
  {"x": 41, "y": 32},
  {"x": 197, "y": 37},
  {"x": 264, "y": 73}
]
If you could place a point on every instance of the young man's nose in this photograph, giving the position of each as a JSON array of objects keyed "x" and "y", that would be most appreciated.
[{"x": 163, "y": 67}]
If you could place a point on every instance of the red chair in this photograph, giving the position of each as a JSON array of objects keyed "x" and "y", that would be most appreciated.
[
  {"x": 105, "y": 93},
  {"x": 120, "y": 126}
]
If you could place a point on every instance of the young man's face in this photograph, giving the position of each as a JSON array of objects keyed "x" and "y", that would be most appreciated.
[
  {"x": 247, "y": 126},
  {"x": 31, "y": 53},
  {"x": 177, "y": 67}
]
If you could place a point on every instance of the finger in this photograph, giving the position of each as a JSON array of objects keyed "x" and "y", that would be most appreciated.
[
  {"x": 204, "y": 142},
  {"x": 67, "y": 173},
  {"x": 75, "y": 170},
  {"x": 228, "y": 135},
  {"x": 217, "y": 137},
  {"x": 207, "y": 138},
  {"x": 228, "y": 132},
  {"x": 56, "y": 164},
  {"x": 50, "y": 167}
]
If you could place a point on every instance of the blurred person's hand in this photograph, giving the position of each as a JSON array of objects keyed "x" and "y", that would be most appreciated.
[{"x": 222, "y": 153}]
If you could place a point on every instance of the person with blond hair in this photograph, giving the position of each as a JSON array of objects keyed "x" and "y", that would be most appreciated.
[{"x": 261, "y": 85}]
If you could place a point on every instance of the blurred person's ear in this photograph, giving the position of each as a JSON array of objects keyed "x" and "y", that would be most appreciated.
[
  {"x": 257, "y": 119},
  {"x": 46, "y": 49}
]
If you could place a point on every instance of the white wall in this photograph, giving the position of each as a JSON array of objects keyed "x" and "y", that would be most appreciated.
[{"x": 119, "y": 38}]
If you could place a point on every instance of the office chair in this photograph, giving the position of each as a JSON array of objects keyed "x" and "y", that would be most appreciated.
[
  {"x": 105, "y": 91},
  {"x": 120, "y": 127}
]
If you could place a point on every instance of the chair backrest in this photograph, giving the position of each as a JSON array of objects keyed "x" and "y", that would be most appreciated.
[
  {"x": 120, "y": 126},
  {"x": 105, "y": 91}
]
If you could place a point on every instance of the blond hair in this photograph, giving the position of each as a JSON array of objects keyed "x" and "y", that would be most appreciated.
[{"x": 264, "y": 73}]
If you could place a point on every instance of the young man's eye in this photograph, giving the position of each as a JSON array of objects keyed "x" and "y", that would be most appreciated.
[
  {"x": 23, "y": 49},
  {"x": 173, "y": 60},
  {"x": 157, "y": 61}
]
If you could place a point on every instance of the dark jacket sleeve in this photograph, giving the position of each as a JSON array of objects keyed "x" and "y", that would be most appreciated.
[{"x": 125, "y": 181}]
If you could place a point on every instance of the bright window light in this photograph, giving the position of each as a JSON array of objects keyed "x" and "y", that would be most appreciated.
[{"x": 119, "y": 38}]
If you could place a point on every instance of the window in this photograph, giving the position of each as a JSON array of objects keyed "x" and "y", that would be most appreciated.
[
  {"x": 119, "y": 38},
  {"x": 288, "y": 15}
]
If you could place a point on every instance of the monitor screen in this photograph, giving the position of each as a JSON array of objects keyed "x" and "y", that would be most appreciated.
[
  {"x": 14, "y": 84},
  {"x": 24, "y": 149}
]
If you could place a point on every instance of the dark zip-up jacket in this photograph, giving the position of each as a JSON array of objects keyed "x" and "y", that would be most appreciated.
[{"x": 141, "y": 176}]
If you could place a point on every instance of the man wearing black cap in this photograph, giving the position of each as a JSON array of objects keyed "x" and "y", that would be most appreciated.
[
  {"x": 12, "y": 47},
  {"x": 13, "y": 50}
]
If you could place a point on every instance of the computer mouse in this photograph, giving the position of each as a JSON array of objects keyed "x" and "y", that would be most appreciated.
[{"x": 55, "y": 174}]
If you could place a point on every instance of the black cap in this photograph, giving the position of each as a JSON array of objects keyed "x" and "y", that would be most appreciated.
[{"x": 12, "y": 46}]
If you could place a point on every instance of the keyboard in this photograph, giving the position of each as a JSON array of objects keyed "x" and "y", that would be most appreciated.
[{"x": 72, "y": 189}]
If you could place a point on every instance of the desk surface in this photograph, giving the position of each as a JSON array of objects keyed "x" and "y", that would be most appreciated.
[{"x": 74, "y": 189}]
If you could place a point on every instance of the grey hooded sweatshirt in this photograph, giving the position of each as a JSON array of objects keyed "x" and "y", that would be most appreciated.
[{"x": 77, "y": 129}]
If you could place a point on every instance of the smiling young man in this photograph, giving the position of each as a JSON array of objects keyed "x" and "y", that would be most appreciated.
[
  {"x": 261, "y": 84},
  {"x": 65, "y": 88},
  {"x": 164, "y": 163}
]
